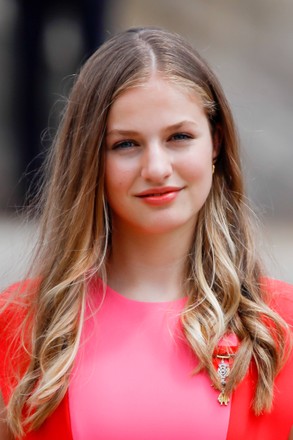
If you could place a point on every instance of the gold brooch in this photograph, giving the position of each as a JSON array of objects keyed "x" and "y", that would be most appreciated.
[
  {"x": 223, "y": 373},
  {"x": 223, "y": 361}
]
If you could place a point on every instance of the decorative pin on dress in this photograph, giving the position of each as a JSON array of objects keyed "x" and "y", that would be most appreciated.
[{"x": 223, "y": 360}]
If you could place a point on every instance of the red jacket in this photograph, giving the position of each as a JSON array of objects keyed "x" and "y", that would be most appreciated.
[{"x": 243, "y": 423}]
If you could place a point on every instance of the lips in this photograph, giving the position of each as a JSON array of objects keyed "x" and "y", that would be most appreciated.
[
  {"x": 159, "y": 197},
  {"x": 157, "y": 192}
]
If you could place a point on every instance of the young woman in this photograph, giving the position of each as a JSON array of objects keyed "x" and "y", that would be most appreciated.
[{"x": 147, "y": 315}]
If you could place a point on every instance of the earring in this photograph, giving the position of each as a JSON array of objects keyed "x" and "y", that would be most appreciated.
[{"x": 214, "y": 168}]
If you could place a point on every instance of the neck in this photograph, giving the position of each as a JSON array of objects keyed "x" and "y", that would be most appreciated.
[{"x": 149, "y": 267}]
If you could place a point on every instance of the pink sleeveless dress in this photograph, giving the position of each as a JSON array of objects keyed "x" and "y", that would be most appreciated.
[{"x": 133, "y": 378}]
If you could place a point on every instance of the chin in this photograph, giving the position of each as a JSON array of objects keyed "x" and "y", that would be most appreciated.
[{"x": 166, "y": 227}]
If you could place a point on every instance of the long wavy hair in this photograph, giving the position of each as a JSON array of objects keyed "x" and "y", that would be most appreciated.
[{"x": 222, "y": 275}]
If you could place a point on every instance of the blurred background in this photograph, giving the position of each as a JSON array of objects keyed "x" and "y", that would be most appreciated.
[{"x": 249, "y": 44}]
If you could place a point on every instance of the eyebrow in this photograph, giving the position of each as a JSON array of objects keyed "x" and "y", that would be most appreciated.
[
  {"x": 121, "y": 132},
  {"x": 176, "y": 126}
]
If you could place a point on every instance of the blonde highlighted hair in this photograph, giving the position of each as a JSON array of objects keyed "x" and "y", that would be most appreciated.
[{"x": 222, "y": 275}]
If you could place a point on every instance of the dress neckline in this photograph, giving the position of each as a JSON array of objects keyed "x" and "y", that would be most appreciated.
[{"x": 109, "y": 291}]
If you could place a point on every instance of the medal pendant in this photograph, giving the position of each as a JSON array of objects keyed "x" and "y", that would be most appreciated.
[{"x": 223, "y": 399}]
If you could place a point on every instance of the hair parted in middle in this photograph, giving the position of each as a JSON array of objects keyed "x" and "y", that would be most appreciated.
[{"x": 222, "y": 275}]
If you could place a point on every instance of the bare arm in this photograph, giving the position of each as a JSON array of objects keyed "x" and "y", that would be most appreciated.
[{"x": 5, "y": 434}]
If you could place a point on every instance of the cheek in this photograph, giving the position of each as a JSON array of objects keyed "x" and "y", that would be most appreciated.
[
  {"x": 118, "y": 178},
  {"x": 113, "y": 175},
  {"x": 198, "y": 169},
  {"x": 111, "y": 182}
]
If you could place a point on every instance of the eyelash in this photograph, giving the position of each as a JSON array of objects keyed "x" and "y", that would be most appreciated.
[
  {"x": 122, "y": 145},
  {"x": 128, "y": 143},
  {"x": 181, "y": 136}
]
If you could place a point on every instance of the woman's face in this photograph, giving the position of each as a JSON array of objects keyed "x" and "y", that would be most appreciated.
[{"x": 159, "y": 154}]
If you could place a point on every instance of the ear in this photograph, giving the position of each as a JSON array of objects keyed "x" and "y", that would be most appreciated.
[{"x": 217, "y": 141}]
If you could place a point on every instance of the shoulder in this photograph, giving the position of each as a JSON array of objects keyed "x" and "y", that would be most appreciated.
[
  {"x": 274, "y": 286},
  {"x": 18, "y": 294},
  {"x": 280, "y": 297},
  {"x": 15, "y": 304}
]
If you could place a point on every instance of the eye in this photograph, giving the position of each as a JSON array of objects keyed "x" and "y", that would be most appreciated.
[
  {"x": 123, "y": 145},
  {"x": 181, "y": 137}
]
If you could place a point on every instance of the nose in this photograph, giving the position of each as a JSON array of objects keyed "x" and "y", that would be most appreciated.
[{"x": 156, "y": 163}]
